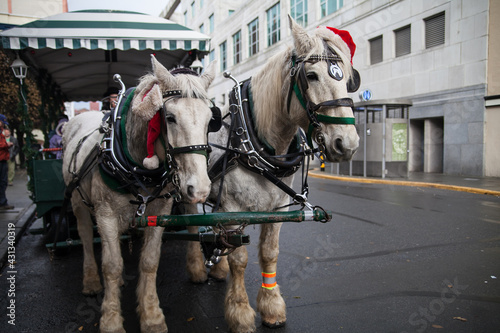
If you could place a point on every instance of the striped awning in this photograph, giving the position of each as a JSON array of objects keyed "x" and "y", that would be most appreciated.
[
  {"x": 82, "y": 50},
  {"x": 104, "y": 29}
]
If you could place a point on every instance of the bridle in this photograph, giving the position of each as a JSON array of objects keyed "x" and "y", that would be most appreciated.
[
  {"x": 170, "y": 151},
  {"x": 299, "y": 85}
]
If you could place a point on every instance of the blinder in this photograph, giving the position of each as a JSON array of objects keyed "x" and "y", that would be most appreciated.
[
  {"x": 216, "y": 121},
  {"x": 354, "y": 81}
]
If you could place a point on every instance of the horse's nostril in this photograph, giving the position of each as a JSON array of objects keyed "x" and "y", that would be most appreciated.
[
  {"x": 339, "y": 147},
  {"x": 190, "y": 190}
]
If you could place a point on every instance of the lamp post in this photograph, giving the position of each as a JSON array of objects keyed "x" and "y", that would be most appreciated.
[{"x": 20, "y": 70}]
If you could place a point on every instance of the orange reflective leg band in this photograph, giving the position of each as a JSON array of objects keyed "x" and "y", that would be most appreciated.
[{"x": 269, "y": 280}]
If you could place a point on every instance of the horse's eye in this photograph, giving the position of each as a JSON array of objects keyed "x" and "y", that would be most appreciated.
[
  {"x": 171, "y": 119},
  {"x": 311, "y": 76}
]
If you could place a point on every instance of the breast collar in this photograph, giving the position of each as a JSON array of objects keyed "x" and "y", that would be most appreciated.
[
  {"x": 118, "y": 168},
  {"x": 255, "y": 154}
]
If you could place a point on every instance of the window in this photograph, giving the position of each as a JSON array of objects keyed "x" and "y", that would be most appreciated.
[
  {"x": 223, "y": 56},
  {"x": 231, "y": 12},
  {"x": 330, "y": 6},
  {"x": 273, "y": 25},
  {"x": 376, "y": 50},
  {"x": 202, "y": 3},
  {"x": 193, "y": 10},
  {"x": 434, "y": 30},
  {"x": 298, "y": 10},
  {"x": 211, "y": 55},
  {"x": 253, "y": 37},
  {"x": 202, "y": 28},
  {"x": 237, "y": 47},
  {"x": 403, "y": 41},
  {"x": 212, "y": 23},
  {"x": 185, "y": 18}
]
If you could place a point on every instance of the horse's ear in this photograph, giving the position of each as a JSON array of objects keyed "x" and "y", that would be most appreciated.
[
  {"x": 303, "y": 42},
  {"x": 209, "y": 74},
  {"x": 148, "y": 98},
  {"x": 160, "y": 71}
]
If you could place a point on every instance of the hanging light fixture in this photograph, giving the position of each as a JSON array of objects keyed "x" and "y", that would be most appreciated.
[
  {"x": 197, "y": 65},
  {"x": 19, "y": 68}
]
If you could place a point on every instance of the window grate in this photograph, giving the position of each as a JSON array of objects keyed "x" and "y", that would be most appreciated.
[
  {"x": 434, "y": 30},
  {"x": 403, "y": 41},
  {"x": 376, "y": 50}
]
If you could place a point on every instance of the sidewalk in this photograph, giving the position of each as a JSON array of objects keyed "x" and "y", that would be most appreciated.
[
  {"x": 24, "y": 211},
  {"x": 21, "y": 216},
  {"x": 478, "y": 185}
]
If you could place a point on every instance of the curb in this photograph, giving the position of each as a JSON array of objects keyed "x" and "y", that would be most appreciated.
[
  {"x": 405, "y": 183},
  {"x": 20, "y": 225}
]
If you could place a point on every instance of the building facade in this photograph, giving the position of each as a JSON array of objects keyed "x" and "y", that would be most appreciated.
[
  {"x": 437, "y": 54},
  {"x": 18, "y": 12}
]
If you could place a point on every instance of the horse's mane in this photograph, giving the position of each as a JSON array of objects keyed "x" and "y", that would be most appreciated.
[
  {"x": 270, "y": 85},
  {"x": 186, "y": 80}
]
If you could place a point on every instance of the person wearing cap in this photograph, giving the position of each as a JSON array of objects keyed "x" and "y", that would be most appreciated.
[
  {"x": 110, "y": 99},
  {"x": 4, "y": 169}
]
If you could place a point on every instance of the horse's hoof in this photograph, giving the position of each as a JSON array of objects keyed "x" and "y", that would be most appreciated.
[
  {"x": 119, "y": 330},
  {"x": 92, "y": 290},
  {"x": 198, "y": 278},
  {"x": 218, "y": 277},
  {"x": 159, "y": 328},
  {"x": 276, "y": 324}
]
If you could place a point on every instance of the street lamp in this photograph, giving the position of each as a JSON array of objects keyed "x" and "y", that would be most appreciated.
[
  {"x": 197, "y": 65},
  {"x": 20, "y": 69}
]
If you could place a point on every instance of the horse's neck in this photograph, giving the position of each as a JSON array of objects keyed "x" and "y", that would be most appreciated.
[
  {"x": 273, "y": 122},
  {"x": 136, "y": 135}
]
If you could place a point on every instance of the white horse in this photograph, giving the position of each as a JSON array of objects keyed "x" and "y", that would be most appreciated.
[
  {"x": 325, "y": 59},
  {"x": 185, "y": 115}
]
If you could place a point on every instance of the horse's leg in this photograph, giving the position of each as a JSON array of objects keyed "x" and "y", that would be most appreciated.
[
  {"x": 150, "y": 313},
  {"x": 112, "y": 268},
  {"x": 270, "y": 304},
  {"x": 91, "y": 280},
  {"x": 195, "y": 265},
  {"x": 239, "y": 315}
]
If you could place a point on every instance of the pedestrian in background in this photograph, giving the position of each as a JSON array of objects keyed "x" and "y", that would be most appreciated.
[
  {"x": 4, "y": 169},
  {"x": 13, "y": 151},
  {"x": 56, "y": 139}
]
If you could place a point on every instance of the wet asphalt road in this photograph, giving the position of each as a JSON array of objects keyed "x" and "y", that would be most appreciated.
[{"x": 393, "y": 259}]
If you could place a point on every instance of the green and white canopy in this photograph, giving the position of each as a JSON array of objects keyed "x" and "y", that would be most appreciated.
[{"x": 82, "y": 50}]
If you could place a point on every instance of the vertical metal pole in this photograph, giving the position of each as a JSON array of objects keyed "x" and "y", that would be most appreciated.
[
  {"x": 364, "y": 141},
  {"x": 384, "y": 110},
  {"x": 407, "y": 142}
]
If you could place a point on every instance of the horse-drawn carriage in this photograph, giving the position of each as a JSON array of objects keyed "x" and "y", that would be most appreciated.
[{"x": 128, "y": 168}]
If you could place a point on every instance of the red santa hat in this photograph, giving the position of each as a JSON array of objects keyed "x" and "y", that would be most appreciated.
[{"x": 346, "y": 37}]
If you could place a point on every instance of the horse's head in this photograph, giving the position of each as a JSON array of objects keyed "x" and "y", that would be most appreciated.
[
  {"x": 323, "y": 75},
  {"x": 178, "y": 110}
]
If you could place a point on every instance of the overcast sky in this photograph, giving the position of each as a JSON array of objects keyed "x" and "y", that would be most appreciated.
[{"x": 152, "y": 7}]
